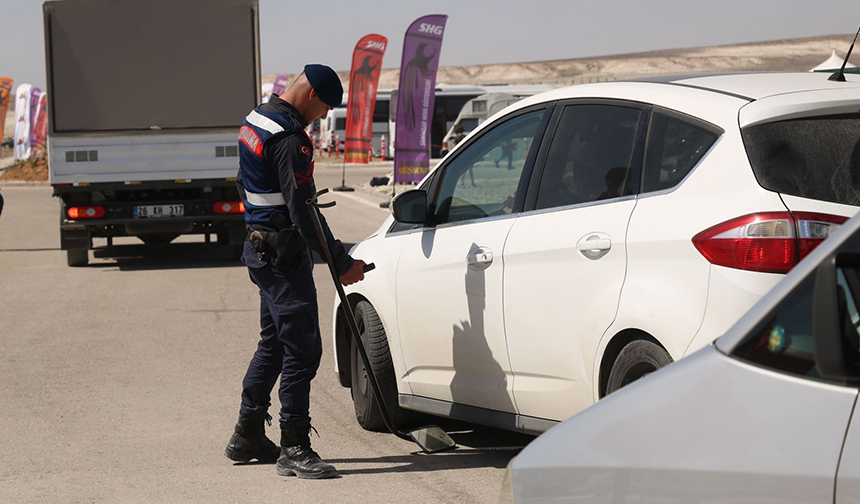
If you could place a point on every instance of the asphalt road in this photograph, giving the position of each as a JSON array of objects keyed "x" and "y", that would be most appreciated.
[{"x": 120, "y": 381}]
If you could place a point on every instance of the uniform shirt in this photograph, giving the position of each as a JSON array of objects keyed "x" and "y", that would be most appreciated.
[{"x": 290, "y": 155}]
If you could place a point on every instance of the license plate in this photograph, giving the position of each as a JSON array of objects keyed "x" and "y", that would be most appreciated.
[{"x": 156, "y": 211}]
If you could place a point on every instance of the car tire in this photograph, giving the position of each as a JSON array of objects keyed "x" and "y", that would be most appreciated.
[
  {"x": 366, "y": 403},
  {"x": 77, "y": 257},
  {"x": 636, "y": 360}
]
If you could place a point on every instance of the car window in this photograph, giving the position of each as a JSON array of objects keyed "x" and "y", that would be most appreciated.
[
  {"x": 813, "y": 157},
  {"x": 783, "y": 340},
  {"x": 482, "y": 179},
  {"x": 675, "y": 147},
  {"x": 590, "y": 156}
]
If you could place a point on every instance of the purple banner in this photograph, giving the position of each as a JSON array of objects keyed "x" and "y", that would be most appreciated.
[
  {"x": 280, "y": 85},
  {"x": 35, "y": 95},
  {"x": 416, "y": 95}
]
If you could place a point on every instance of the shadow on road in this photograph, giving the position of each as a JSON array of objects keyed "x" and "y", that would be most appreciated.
[
  {"x": 476, "y": 448},
  {"x": 173, "y": 256}
]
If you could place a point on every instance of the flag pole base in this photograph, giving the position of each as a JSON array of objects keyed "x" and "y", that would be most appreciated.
[{"x": 343, "y": 188}]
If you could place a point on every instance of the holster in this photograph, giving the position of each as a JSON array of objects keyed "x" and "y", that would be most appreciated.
[{"x": 284, "y": 246}]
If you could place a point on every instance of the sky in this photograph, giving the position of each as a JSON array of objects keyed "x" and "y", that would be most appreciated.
[{"x": 293, "y": 33}]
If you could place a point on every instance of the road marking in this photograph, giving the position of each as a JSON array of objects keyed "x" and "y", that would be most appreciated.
[{"x": 361, "y": 200}]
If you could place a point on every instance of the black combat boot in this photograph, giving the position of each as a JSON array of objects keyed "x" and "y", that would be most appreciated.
[
  {"x": 297, "y": 458},
  {"x": 249, "y": 440}
]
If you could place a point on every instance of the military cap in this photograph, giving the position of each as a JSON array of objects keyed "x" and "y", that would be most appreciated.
[{"x": 326, "y": 83}]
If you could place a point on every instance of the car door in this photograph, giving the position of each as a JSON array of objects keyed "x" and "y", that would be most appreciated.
[
  {"x": 565, "y": 260},
  {"x": 848, "y": 477},
  {"x": 449, "y": 277}
]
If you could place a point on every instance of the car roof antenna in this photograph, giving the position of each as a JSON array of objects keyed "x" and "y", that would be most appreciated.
[{"x": 840, "y": 75}]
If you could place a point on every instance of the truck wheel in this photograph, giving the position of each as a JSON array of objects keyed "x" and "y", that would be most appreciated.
[
  {"x": 376, "y": 345},
  {"x": 636, "y": 360},
  {"x": 77, "y": 257}
]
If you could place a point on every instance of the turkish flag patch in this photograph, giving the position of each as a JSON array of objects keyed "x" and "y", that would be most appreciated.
[{"x": 304, "y": 149}]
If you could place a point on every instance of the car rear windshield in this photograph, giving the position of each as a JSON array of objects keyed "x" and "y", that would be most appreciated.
[{"x": 812, "y": 157}]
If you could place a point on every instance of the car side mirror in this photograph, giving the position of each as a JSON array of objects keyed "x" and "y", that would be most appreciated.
[
  {"x": 410, "y": 207},
  {"x": 836, "y": 322}
]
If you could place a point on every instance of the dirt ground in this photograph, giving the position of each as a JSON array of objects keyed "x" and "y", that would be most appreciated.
[{"x": 33, "y": 169}]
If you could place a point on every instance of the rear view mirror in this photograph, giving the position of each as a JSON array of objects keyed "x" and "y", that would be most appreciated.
[
  {"x": 836, "y": 320},
  {"x": 410, "y": 207}
]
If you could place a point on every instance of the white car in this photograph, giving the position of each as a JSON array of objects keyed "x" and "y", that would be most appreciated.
[
  {"x": 766, "y": 414},
  {"x": 585, "y": 237}
]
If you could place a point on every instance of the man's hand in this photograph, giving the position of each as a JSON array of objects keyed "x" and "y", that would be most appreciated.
[{"x": 355, "y": 274}]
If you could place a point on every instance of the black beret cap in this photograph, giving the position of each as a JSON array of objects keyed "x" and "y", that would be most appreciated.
[{"x": 326, "y": 83}]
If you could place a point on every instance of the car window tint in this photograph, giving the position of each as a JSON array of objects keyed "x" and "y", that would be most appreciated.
[
  {"x": 783, "y": 340},
  {"x": 813, "y": 157},
  {"x": 848, "y": 294},
  {"x": 482, "y": 179},
  {"x": 675, "y": 147},
  {"x": 590, "y": 156}
]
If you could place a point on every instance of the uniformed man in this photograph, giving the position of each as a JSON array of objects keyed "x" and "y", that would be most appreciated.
[{"x": 275, "y": 179}]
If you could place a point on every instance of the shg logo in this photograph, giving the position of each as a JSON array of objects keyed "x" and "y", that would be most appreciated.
[
  {"x": 376, "y": 45},
  {"x": 428, "y": 28}
]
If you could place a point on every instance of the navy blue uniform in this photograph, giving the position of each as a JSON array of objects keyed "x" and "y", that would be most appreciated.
[{"x": 276, "y": 179}]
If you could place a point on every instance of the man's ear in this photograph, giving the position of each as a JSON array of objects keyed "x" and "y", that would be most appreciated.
[{"x": 312, "y": 94}]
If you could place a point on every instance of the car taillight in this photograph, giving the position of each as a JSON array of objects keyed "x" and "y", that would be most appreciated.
[
  {"x": 813, "y": 228},
  {"x": 87, "y": 212},
  {"x": 770, "y": 242},
  {"x": 228, "y": 207}
]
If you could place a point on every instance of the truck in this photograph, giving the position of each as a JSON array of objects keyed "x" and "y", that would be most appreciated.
[{"x": 145, "y": 100}]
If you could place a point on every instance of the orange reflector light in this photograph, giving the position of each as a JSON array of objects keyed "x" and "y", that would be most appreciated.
[
  {"x": 87, "y": 212},
  {"x": 228, "y": 207}
]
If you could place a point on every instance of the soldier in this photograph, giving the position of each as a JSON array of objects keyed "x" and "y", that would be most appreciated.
[{"x": 275, "y": 179}]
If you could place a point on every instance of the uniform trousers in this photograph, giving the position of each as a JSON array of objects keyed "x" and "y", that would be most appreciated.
[{"x": 290, "y": 345}]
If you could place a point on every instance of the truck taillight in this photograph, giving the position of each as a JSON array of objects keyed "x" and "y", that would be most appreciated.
[
  {"x": 86, "y": 212},
  {"x": 228, "y": 207},
  {"x": 769, "y": 242}
]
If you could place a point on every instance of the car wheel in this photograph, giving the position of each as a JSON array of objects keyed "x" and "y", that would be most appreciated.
[
  {"x": 636, "y": 360},
  {"x": 366, "y": 403},
  {"x": 77, "y": 257}
]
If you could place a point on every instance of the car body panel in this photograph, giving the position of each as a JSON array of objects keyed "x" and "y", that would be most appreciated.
[
  {"x": 548, "y": 332},
  {"x": 455, "y": 351},
  {"x": 799, "y": 104},
  {"x": 848, "y": 478},
  {"x": 706, "y": 429},
  {"x": 763, "y": 84}
]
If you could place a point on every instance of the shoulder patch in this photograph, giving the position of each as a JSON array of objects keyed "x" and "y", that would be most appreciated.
[
  {"x": 249, "y": 137},
  {"x": 304, "y": 149},
  {"x": 306, "y": 177}
]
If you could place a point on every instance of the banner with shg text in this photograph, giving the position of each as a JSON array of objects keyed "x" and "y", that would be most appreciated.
[
  {"x": 363, "y": 83},
  {"x": 416, "y": 95},
  {"x": 5, "y": 99}
]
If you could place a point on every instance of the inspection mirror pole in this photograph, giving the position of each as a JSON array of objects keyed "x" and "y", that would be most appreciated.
[{"x": 431, "y": 438}]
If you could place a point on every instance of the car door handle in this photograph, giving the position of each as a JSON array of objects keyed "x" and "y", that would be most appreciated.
[
  {"x": 594, "y": 245},
  {"x": 480, "y": 257}
]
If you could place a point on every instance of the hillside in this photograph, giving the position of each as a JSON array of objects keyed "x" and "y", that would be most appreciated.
[{"x": 785, "y": 55}]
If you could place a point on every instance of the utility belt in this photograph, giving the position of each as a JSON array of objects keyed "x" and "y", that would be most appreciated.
[{"x": 284, "y": 246}]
